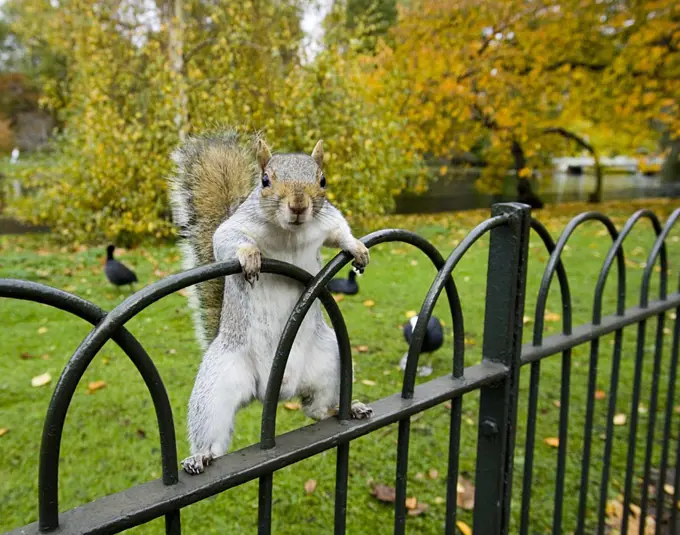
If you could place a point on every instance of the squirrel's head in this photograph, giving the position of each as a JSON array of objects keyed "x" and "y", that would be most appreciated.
[{"x": 293, "y": 186}]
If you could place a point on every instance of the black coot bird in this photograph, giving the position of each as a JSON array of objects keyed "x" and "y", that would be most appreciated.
[
  {"x": 434, "y": 339},
  {"x": 347, "y": 286},
  {"x": 118, "y": 273}
]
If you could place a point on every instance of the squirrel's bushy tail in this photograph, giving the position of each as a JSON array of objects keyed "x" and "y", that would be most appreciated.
[{"x": 215, "y": 173}]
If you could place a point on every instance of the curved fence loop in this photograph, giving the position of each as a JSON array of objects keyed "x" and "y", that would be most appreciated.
[
  {"x": 658, "y": 249},
  {"x": 109, "y": 327},
  {"x": 562, "y": 278},
  {"x": 61, "y": 397},
  {"x": 616, "y": 251},
  {"x": 316, "y": 286},
  {"x": 551, "y": 267},
  {"x": 430, "y": 301}
]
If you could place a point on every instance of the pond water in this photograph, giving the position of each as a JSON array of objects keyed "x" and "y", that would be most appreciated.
[{"x": 456, "y": 191}]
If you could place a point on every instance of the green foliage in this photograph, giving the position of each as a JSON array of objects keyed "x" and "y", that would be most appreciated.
[{"x": 121, "y": 100}]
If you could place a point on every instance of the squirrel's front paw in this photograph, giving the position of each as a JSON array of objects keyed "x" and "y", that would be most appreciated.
[
  {"x": 361, "y": 256},
  {"x": 250, "y": 260}
]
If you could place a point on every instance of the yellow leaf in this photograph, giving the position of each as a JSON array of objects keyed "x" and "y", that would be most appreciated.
[
  {"x": 362, "y": 349},
  {"x": 3, "y": 431},
  {"x": 411, "y": 503},
  {"x": 292, "y": 405},
  {"x": 553, "y": 442},
  {"x": 369, "y": 303},
  {"x": 368, "y": 382},
  {"x": 310, "y": 486},
  {"x": 669, "y": 489},
  {"x": 525, "y": 172},
  {"x": 338, "y": 297},
  {"x": 41, "y": 380},
  {"x": 442, "y": 170},
  {"x": 552, "y": 316},
  {"x": 42, "y": 330},
  {"x": 620, "y": 419},
  {"x": 527, "y": 319},
  {"x": 463, "y": 527},
  {"x": 95, "y": 385},
  {"x": 411, "y": 313}
]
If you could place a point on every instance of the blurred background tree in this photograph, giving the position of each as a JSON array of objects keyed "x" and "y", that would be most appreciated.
[{"x": 391, "y": 84}]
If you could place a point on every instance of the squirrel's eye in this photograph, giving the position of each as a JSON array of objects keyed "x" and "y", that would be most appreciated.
[
  {"x": 265, "y": 181},
  {"x": 322, "y": 182}
]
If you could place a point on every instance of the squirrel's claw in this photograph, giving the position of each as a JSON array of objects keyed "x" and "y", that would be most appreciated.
[{"x": 361, "y": 256}]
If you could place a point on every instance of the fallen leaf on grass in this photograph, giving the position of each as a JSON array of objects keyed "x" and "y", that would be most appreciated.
[
  {"x": 620, "y": 419},
  {"x": 338, "y": 297},
  {"x": 362, "y": 349},
  {"x": 419, "y": 509},
  {"x": 3, "y": 431},
  {"x": 553, "y": 442},
  {"x": 465, "y": 494},
  {"x": 411, "y": 502},
  {"x": 439, "y": 500},
  {"x": 384, "y": 493},
  {"x": 26, "y": 356},
  {"x": 552, "y": 316},
  {"x": 93, "y": 386},
  {"x": 600, "y": 394},
  {"x": 615, "y": 514},
  {"x": 411, "y": 313},
  {"x": 463, "y": 527},
  {"x": 184, "y": 292},
  {"x": 369, "y": 303},
  {"x": 433, "y": 474},
  {"x": 414, "y": 262},
  {"x": 42, "y": 330},
  {"x": 310, "y": 486},
  {"x": 368, "y": 382},
  {"x": 557, "y": 403},
  {"x": 41, "y": 380},
  {"x": 140, "y": 433},
  {"x": 292, "y": 405},
  {"x": 527, "y": 319}
]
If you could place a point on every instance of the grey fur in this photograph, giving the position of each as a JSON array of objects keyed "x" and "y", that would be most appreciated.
[{"x": 288, "y": 220}]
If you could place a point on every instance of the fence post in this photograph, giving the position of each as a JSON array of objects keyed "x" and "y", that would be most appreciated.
[{"x": 505, "y": 292}]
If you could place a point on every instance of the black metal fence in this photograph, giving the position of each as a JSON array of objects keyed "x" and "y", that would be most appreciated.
[{"x": 496, "y": 378}]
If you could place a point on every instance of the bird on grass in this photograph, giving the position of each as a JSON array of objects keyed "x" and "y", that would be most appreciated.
[
  {"x": 348, "y": 286},
  {"x": 117, "y": 272},
  {"x": 434, "y": 339}
]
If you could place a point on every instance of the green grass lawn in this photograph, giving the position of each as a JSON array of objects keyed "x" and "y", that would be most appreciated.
[{"x": 111, "y": 441}]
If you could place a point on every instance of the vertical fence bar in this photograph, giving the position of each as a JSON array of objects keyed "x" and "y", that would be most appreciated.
[
  {"x": 264, "y": 507},
  {"x": 173, "y": 524},
  {"x": 341, "y": 478},
  {"x": 562, "y": 451},
  {"x": 651, "y": 422},
  {"x": 529, "y": 446},
  {"x": 504, "y": 309},
  {"x": 609, "y": 433},
  {"x": 668, "y": 419},
  {"x": 632, "y": 433},
  {"x": 587, "y": 436}
]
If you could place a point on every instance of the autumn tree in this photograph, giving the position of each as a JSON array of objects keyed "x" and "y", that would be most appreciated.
[
  {"x": 139, "y": 78},
  {"x": 516, "y": 74}
]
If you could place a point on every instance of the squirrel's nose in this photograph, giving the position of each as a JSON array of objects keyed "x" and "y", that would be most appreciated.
[{"x": 297, "y": 209}]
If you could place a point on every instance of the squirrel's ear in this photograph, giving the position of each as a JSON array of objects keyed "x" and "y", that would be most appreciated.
[
  {"x": 263, "y": 153},
  {"x": 317, "y": 153}
]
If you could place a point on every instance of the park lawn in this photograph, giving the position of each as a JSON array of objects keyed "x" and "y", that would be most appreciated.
[{"x": 111, "y": 441}]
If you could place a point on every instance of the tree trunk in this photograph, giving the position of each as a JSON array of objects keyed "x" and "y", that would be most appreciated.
[
  {"x": 525, "y": 193},
  {"x": 596, "y": 195},
  {"x": 176, "y": 56}
]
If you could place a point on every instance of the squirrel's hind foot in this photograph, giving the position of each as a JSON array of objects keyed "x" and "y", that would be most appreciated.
[
  {"x": 360, "y": 411},
  {"x": 196, "y": 464}
]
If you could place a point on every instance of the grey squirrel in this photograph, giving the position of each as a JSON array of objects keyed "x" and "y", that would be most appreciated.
[{"x": 232, "y": 202}]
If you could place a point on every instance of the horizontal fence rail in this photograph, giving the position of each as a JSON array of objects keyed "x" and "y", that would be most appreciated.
[{"x": 496, "y": 377}]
